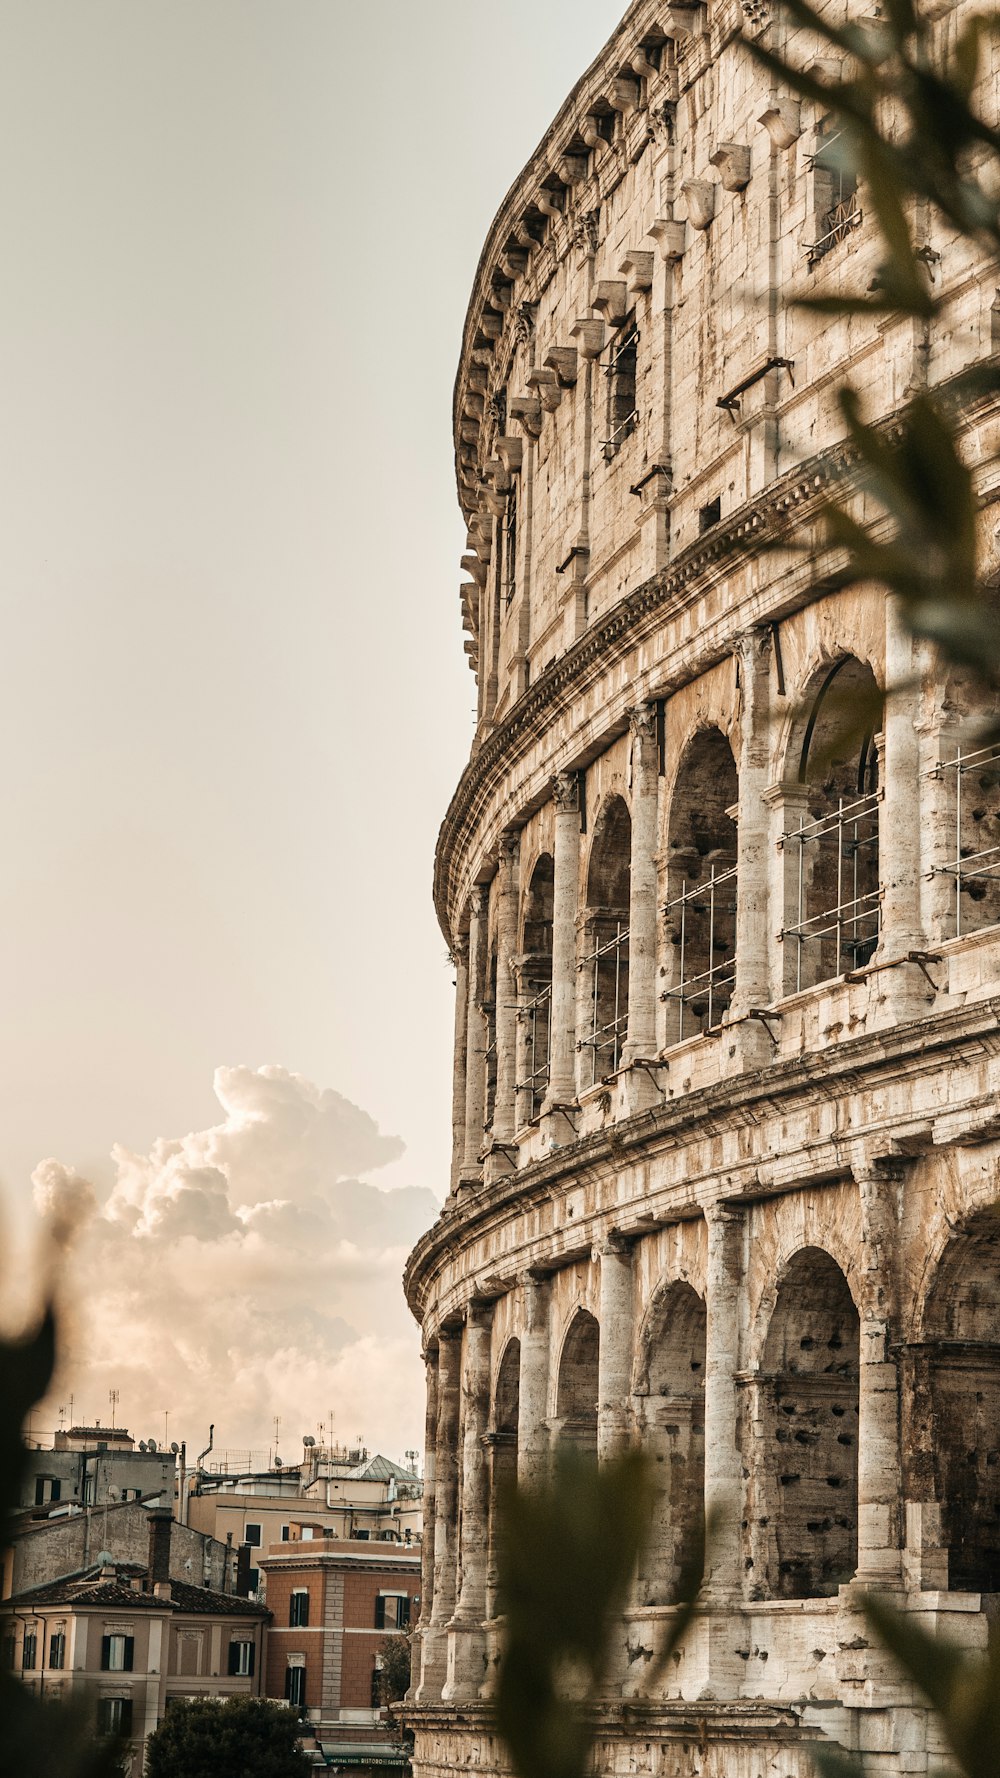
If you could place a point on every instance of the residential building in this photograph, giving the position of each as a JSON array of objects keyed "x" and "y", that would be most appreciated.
[
  {"x": 725, "y": 1134},
  {"x": 67, "y": 1539},
  {"x": 341, "y": 1490},
  {"x": 133, "y": 1639},
  {"x": 92, "y": 1465},
  {"x": 333, "y": 1603}
]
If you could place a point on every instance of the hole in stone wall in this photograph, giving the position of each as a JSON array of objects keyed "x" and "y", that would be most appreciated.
[
  {"x": 674, "y": 1435},
  {"x": 810, "y": 1386},
  {"x": 963, "y": 1330},
  {"x": 576, "y": 1397}
]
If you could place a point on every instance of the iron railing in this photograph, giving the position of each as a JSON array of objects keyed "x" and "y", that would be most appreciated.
[
  {"x": 846, "y": 927},
  {"x": 702, "y": 913},
  {"x": 975, "y": 868},
  {"x": 609, "y": 996}
]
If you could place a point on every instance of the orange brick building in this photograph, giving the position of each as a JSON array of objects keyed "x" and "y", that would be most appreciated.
[{"x": 332, "y": 1605}]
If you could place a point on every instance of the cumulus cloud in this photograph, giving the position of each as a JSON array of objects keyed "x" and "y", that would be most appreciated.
[{"x": 245, "y": 1271}]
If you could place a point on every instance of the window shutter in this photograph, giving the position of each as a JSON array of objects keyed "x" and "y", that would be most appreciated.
[
  {"x": 234, "y": 1659},
  {"x": 288, "y": 1682},
  {"x": 129, "y": 1651},
  {"x": 105, "y": 1654},
  {"x": 125, "y": 1717},
  {"x": 251, "y": 1656},
  {"x": 56, "y": 1489},
  {"x": 380, "y": 1613},
  {"x": 403, "y": 1612}
]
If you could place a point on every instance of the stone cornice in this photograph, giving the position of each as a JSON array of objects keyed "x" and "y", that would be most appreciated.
[
  {"x": 875, "y": 1060},
  {"x": 762, "y": 523}
]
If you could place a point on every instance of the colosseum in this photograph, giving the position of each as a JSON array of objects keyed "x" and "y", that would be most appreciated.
[{"x": 726, "y": 1127}]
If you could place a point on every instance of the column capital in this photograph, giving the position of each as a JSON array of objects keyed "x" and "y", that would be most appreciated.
[
  {"x": 611, "y": 1246},
  {"x": 724, "y": 1215},
  {"x": 566, "y": 792},
  {"x": 507, "y": 850},
  {"x": 479, "y": 900},
  {"x": 754, "y": 645},
  {"x": 479, "y": 1311},
  {"x": 460, "y": 951},
  {"x": 642, "y": 722}
]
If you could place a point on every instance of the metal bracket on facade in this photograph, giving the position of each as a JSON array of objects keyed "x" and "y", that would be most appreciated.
[
  {"x": 731, "y": 400},
  {"x": 764, "y": 1015},
  {"x": 921, "y": 959}
]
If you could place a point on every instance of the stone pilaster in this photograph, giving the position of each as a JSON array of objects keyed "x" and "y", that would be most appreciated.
[
  {"x": 614, "y": 1377},
  {"x": 565, "y": 895},
  {"x": 506, "y": 1003},
  {"x": 641, "y": 1036},
  {"x": 899, "y": 831},
  {"x": 533, "y": 1403},
  {"x": 434, "y": 1637},
  {"x": 466, "y": 1639},
  {"x": 879, "y": 1491},
  {"x": 723, "y": 1471},
  {"x": 460, "y": 957},
  {"x": 427, "y": 1546},
  {"x": 475, "y": 1043},
  {"x": 754, "y": 923}
]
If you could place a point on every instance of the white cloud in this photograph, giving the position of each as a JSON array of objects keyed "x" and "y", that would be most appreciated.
[{"x": 245, "y": 1271}]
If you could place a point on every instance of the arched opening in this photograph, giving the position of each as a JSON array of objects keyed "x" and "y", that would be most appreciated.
[
  {"x": 962, "y": 1328},
  {"x": 605, "y": 956},
  {"x": 535, "y": 1000},
  {"x": 674, "y": 1438},
  {"x": 834, "y": 841},
  {"x": 810, "y": 1432},
  {"x": 701, "y": 887},
  {"x": 576, "y": 1396}
]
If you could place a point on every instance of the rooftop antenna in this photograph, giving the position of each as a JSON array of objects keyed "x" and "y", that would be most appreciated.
[
  {"x": 113, "y": 1401},
  {"x": 166, "y": 1427},
  {"x": 277, "y": 1429}
]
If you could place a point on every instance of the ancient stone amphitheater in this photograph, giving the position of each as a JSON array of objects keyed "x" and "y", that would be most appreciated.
[{"x": 724, "y": 919}]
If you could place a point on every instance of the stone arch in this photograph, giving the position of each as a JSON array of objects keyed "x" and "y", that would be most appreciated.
[
  {"x": 960, "y": 1358},
  {"x": 831, "y": 824},
  {"x": 672, "y": 1388},
  {"x": 535, "y": 988},
  {"x": 577, "y": 1383},
  {"x": 804, "y": 1528},
  {"x": 605, "y": 937},
  {"x": 701, "y": 886}
]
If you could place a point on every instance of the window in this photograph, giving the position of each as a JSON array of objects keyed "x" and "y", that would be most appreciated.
[
  {"x": 10, "y": 1650},
  {"x": 298, "y": 1612},
  {"x": 114, "y": 1716},
  {"x": 47, "y": 1488},
  {"x": 116, "y": 1654},
  {"x": 252, "y": 1536},
  {"x": 253, "y": 1579},
  {"x": 57, "y": 1649},
  {"x": 710, "y": 515},
  {"x": 835, "y": 192},
  {"x": 392, "y": 1611},
  {"x": 29, "y": 1650},
  {"x": 284, "y": 1533},
  {"x": 620, "y": 372},
  {"x": 295, "y": 1687},
  {"x": 508, "y": 582},
  {"x": 241, "y": 1660}
]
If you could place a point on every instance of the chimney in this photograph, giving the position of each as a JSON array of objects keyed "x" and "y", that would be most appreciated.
[{"x": 158, "y": 1566}]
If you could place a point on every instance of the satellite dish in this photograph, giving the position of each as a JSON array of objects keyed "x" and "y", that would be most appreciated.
[
  {"x": 308, "y": 1441},
  {"x": 142, "y": 1444},
  {"x": 105, "y": 1558},
  {"x": 277, "y": 1463},
  {"x": 112, "y": 1493},
  {"x": 151, "y": 1445},
  {"x": 175, "y": 1447}
]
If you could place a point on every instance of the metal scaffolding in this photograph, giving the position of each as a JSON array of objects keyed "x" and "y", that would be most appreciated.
[
  {"x": 536, "y": 1016},
  {"x": 705, "y": 917},
  {"x": 609, "y": 995},
  {"x": 838, "y": 865},
  {"x": 975, "y": 868}
]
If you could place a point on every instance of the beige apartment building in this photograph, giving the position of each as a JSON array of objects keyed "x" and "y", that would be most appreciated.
[
  {"x": 339, "y": 1492},
  {"x": 133, "y": 1639},
  {"x": 725, "y": 1139}
]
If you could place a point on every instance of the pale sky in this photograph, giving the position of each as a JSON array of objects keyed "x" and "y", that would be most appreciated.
[{"x": 238, "y": 242}]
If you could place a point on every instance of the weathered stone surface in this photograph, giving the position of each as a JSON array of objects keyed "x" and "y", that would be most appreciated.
[{"x": 727, "y": 1049}]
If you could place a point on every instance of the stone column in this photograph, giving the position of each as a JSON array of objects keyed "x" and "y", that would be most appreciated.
[
  {"x": 427, "y": 1545},
  {"x": 466, "y": 1638},
  {"x": 475, "y": 1046},
  {"x": 899, "y": 831},
  {"x": 460, "y": 957},
  {"x": 533, "y": 1397},
  {"x": 879, "y": 1491},
  {"x": 565, "y": 895},
  {"x": 753, "y": 916},
  {"x": 506, "y": 1003},
  {"x": 641, "y": 1036},
  {"x": 434, "y": 1639},
  {"x": 614, "y": 1372},
  {"x": 723, "y": 1470}
]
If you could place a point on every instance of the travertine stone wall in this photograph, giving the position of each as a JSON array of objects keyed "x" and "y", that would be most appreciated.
[{"x": 726, "y": 1146}]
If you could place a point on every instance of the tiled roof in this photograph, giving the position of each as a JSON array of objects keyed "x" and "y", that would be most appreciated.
[{"x": 86, "y": 1588}]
